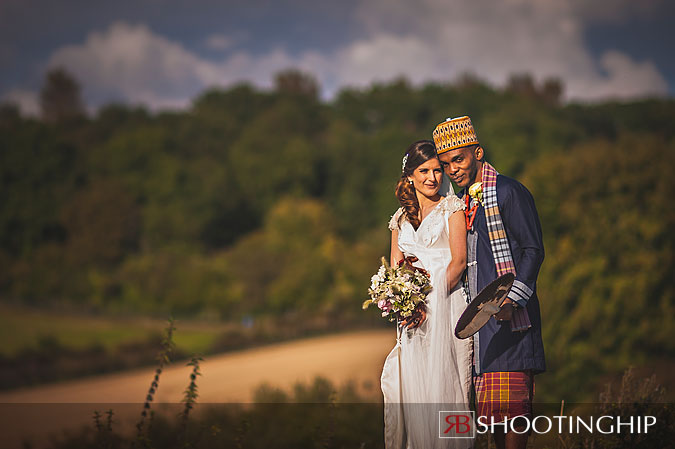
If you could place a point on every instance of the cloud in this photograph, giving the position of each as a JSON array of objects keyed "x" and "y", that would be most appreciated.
[
  {"x": 497, "y": 39},
  {"x": 622, "y": 73},
  {"x": 219, "y": 42},
  {"x": 133, "y": 64},
  {"x": 426, "y": 40},
  {"x": 26, "y": 100}
]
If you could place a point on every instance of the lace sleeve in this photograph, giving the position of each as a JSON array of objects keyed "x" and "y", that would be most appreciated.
[
  {"x": 452, "y": 204},
  {"x": 395, "y": 222}
]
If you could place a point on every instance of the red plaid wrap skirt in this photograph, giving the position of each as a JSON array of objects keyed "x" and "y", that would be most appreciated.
[{"x": 504, "y": 394}]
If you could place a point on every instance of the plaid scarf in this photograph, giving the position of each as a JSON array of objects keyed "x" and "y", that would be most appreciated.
[{"x": 498, "y": 240}]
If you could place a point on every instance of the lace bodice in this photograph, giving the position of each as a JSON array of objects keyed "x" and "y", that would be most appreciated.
[
  {"x": 431, "y": 230},
  {"x": 448, "y": 204}
]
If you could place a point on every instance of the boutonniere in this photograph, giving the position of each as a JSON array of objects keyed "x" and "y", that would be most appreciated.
[{"x": 476, "y": 192}]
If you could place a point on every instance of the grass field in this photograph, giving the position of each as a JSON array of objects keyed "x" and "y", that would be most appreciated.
[
  {"x": 40, "y": 346},
  {"x": 23, "y": 328}
]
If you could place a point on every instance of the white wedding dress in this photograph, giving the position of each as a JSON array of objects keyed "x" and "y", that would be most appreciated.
[{"x": 429, "y": 369}]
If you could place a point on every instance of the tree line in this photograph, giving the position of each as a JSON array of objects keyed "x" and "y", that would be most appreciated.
[{"x": 254, "y": 203}]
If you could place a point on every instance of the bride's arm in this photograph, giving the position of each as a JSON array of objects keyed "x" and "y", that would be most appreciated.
[
  {"x": 456, "y": 267},
  {"x": 396, "y": 253}
]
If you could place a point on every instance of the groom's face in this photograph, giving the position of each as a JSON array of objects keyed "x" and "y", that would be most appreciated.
[{"x": 462, "y": 165}]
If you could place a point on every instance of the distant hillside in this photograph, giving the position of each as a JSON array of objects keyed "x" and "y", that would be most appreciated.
[{"x": 274, "y": 203}]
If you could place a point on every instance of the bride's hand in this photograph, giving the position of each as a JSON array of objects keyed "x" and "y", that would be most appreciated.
[{"x": 408, "y": 261}]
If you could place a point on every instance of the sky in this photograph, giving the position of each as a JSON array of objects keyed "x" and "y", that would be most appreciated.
[{"x": 164, "y": 53}]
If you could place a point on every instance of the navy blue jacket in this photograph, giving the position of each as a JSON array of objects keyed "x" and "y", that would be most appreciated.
[{"x": 498, "y": 348}]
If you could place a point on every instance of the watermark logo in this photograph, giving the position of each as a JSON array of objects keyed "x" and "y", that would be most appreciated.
[{"x": 456, "y": 424}]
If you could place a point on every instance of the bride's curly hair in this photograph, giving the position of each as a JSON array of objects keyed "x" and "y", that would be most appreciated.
[{"x": 417, "y": 154}]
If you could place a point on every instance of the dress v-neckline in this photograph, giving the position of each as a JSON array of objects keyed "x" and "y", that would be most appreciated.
[{"x": 427, "y": 216}]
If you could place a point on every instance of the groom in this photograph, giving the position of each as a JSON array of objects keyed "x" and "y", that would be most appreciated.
[{"x": 503, "y": 235}]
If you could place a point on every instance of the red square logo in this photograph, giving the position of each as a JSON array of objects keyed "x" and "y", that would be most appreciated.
[{"x": 456, "y": 424}]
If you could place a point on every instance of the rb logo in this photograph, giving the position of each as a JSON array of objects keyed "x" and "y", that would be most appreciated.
[{"x": 456, "y": 424}]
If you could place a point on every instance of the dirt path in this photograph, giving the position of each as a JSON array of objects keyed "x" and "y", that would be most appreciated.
[{"x": 232, "y": 377}]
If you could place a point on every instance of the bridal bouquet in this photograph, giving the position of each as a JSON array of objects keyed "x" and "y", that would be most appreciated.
[{"x": 398, "y": 291}]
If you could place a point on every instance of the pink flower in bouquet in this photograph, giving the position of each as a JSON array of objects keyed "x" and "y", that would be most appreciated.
[{"x": 384, "y": 305}]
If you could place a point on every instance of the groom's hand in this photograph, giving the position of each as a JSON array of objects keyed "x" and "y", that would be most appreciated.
[{"x": 506, "y": 312}]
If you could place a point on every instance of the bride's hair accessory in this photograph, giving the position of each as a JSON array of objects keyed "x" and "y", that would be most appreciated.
[
  {"x": 454, "y": 133},
  {"x": 405, "y": 161}
]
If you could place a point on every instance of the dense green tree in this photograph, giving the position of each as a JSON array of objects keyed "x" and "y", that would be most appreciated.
[
  {"x": 278, "y": 153},
  {"x": 295, "y": 82},
  {"x": 10, "y": 115},
  {"x": 298, "y": 264},
  {"x": 39, "y": 169},
  {"x": 102, "y": 224},
  {"x": 606, "y": 285},
  {"x": 60, "y": 96}
]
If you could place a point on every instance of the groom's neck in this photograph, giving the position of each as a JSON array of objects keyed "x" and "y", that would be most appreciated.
[{"x": 479, "y": 173}]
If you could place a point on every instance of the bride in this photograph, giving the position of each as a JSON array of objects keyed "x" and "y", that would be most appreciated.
[{"x": 429, "y": 369}]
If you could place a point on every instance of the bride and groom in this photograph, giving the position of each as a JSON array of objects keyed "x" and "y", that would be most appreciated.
[{"x": 464, "y": 241}]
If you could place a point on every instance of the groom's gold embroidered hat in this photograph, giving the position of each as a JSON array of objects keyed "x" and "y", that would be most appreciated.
[{"x": 454, "y": 133}]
